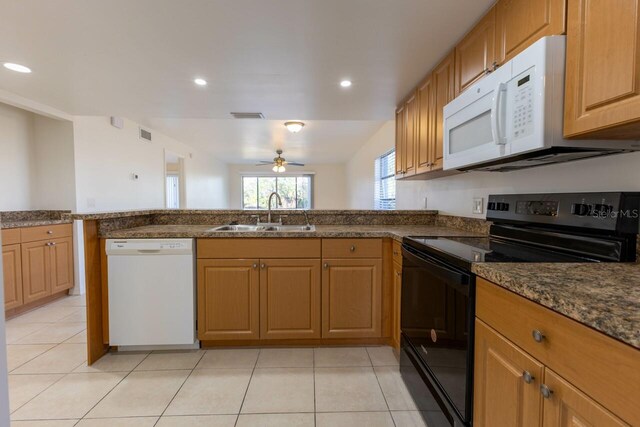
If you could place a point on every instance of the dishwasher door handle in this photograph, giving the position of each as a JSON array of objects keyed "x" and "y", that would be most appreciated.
[{"x": 148, "y": 251}]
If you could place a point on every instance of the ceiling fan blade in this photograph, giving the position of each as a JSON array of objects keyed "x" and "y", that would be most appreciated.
[
  {"x": 295, "y": 164},
  {"x": 264, "y": 162}
]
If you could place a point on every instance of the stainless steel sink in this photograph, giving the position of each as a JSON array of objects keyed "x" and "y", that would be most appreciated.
[{"x": 254, "y": 228}]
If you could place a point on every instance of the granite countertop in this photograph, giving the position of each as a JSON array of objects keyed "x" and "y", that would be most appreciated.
[
  {"x": 396, "y": 232},
  {"x": 34, "y": 223},
  {"x": 604, "y": 296}
]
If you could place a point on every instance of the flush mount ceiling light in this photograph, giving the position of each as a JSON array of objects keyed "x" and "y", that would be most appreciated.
[
  {"x": 345, "y": 83},
  {"x": 200, "y": 82},
  {"x": 294, "y": 127},
  {"x": 17, "y": 67}
]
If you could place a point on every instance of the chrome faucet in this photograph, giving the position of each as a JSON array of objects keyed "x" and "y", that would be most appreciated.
[
  {"x": 306, "y": 217},
  {"x": 279, "y": 201}
]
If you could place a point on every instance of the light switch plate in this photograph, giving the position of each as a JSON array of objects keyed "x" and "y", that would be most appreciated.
[{"x": 478, "y": 205}]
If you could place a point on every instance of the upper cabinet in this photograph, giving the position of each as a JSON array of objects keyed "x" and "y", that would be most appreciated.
[
  {"x": 519, "y": 23},
  {"x": 426, "y": 121},
  {"x": 444, "y": 87},
  {"x": 602, "y": 94},
  {"x": 400, "y": 135},
  {"x": 476, "y": 53}
]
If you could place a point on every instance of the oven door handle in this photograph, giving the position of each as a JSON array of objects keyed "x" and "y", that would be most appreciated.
[{"x": 436, "y": 268}]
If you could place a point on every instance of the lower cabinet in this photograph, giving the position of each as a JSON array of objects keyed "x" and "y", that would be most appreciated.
[
  {"x": 61, "y": 254},
  {"x": 535, "y": 367},
  {"x": 502, "y": 369},
  {"x": 290, "y": 298},
  {"x": 396, "y": 301},
  {"x": 351, "y": 298},
  {"x": 12, "y": 275},
  {"x": 228, "y": 299},
  {"x": 36, "y": 271}
]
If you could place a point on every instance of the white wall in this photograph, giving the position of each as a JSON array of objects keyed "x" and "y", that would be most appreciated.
[
  {"x": 53, "y": 165},
  {"x": 360, "y": 170},
  {"x": 329, "y": 183},
  {"x": 16, "y": 157},
  {"x": 453, "y": 195},
  {"x": 106, "y": 157}
]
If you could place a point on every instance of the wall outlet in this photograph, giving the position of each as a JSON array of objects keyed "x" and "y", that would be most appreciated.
[{"x": 478, "y": 205}]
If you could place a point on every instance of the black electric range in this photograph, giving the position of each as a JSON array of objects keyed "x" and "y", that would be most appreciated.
[{"x": 438, "y": 286}]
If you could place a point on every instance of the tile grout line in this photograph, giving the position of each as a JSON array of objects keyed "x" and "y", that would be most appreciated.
[
  {"x": 373, "y": 368},
  {"x": 315, "y": 408},
  {"x": 179, "y": 388},
  {"x": 247, "y": 389}
]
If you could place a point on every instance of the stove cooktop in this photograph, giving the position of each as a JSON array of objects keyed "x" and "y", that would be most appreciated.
[{"x": 466, "y": 250}]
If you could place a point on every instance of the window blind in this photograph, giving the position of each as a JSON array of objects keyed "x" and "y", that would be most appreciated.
[{"x": 385, "y": 181}]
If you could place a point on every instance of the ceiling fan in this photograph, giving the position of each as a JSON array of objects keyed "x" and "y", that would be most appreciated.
[{"x": 278, "y": 162}]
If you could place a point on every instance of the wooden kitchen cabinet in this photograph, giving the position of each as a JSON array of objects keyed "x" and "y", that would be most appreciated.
[
  {"x": 602, "y": 93},
  {"x": 352, "y": 298},
  {"x": 476, "y": 53},
  {"x": 36, "y": 271},
  {"x": 401, "y": 126},
  {"x": 519, "y": 23},
  {"x": 290, "y": 298},
  {"x": 502, "y": 369},
  {"x": 591, "y": 378},
  {"x": 569, "y": 407},
  {"x": 396, "y": 301},
  {"x": 444, "y": 89},
  {"x": 228, "y": 299},
  {"x": 409, "y": 152},
  {"x": 12, "y": 275},
  {"x": 61, "y": 254},
  {"x": 425, "y": 140}
]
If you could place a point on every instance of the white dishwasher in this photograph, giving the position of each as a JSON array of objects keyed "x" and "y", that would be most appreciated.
[{"x": 151, "y": 293}]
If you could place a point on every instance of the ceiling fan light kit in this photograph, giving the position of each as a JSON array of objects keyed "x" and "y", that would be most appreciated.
[
  {"x": 278, "y": 163},
  {"x": 294, "y": 127}
]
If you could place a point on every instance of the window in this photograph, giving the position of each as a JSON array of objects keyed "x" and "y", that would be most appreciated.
[
  {"x": 384, "y": 196},
  {"x": 295, "y": 191},
  {"x": 173, "y": 191}
]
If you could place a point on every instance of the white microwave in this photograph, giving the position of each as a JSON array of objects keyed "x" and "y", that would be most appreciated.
[{"x": 512, "y": 118}]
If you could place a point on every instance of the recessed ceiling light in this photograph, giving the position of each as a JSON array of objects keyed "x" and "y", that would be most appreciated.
[
  {"x": 345, "y": 83},
  {"x": 294, "y": 127},
  {"x": 17, "y": 67},
  {"x": 200, "y": 82}
]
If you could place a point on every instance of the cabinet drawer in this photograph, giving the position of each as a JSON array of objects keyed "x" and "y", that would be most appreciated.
[
  {"x": 397, "y": 252},
  {"x": 33, "y": 234},
  {"x": 351, "y": 248},
  {"x": 603, "y": 368},
  {"x": 259, "y": 248},
  {"x": 10, "y": 236}
]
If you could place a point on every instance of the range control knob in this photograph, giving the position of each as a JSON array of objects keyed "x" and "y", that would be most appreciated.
[
  {"x": 580, "y": 209},
  {"x": 501, "y": 206},
  {"x": 491, "y": 206}
]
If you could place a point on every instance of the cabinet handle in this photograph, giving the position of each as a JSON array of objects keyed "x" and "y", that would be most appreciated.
[
  {"x": 352, "y": 248},
  {"x": 527, "y": 377},
  {"x": 326, "y": 265},
  {"x": 262, "y": 266},
  {"x": 255, "y": 265},
  {"x": 398, "y": 273},
  {"x": 49, "y": 232},
  {"x": 495, "y": 65},
  {"x": 537, "y": 335},
  {"x": 487, "y": 71},
  {"x": 545, "y": 391},
  {"x": 396, "y": 253}
]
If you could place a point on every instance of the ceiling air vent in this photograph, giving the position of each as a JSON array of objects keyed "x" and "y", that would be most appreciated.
[
  {"x": 247, "y": 115},
  {"x": 145, "y": 134}
]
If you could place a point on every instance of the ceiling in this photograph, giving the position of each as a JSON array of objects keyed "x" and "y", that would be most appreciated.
[{"x": 283, "y": 58}]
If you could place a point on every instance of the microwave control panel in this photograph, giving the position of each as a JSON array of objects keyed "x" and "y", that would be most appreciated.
[{"x": 522, "y": 100}]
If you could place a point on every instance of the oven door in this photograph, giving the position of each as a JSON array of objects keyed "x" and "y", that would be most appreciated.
[{"x": 437, "y": 312}]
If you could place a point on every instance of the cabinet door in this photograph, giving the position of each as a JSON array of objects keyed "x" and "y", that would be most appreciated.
[
  {"x": 228, "y": 299},
  {"x": 395, "y": 305},
  {"x": 603, "y": 69},
  {"x": 475, "y": 54},
  {"x": 519, "y": 23},
  {"x": 61, "y": 252},
  {"x": 400, "y": 137},
  {"x": 502, "y": 395},
  {"x": 569, "y": 407},
  {"x": 444, "y": 86},
  {"x": 36, "y": 271},
  {"x": 290, "y": 298},
  {"x": 351, "y": 298},
  {"x": 425, "y": 126},
  {"x": 12, "y": 269},
  {"x": 410, "y": 136}
]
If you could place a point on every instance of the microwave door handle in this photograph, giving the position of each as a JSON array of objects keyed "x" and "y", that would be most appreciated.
[{"x": 496, "y": 107}]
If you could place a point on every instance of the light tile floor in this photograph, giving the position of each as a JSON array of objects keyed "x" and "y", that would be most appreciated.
[{"x": 50, "y": 383}]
